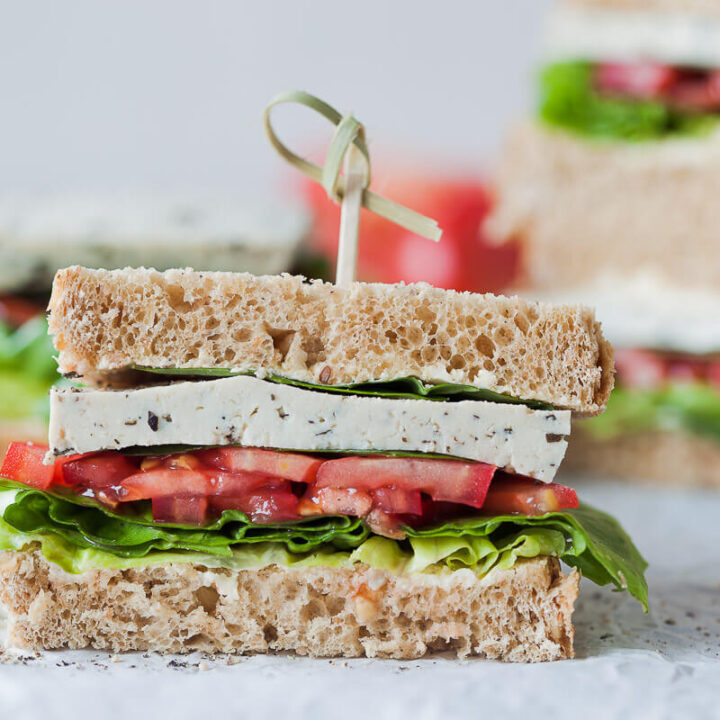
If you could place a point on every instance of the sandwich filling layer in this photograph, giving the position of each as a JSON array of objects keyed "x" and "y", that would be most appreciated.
[
  {"x": 660, "y": 391},
  {"x": 424, "y": 485},
  {"x": 82, "y": 518},
  {"x": 27, "y": 369},
  {"x": 630, "y": 100}
]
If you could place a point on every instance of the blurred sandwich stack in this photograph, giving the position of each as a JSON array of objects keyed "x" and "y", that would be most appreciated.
[
  {"x": 612, "y": 191},
  {"x": 38, "y": 235}
]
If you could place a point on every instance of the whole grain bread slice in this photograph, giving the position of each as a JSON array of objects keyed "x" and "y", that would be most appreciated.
[
  {"x": 107, "y": 321},
  {"x": 520, "y": 615}
]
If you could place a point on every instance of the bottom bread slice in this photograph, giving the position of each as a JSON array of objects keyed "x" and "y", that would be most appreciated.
[
  {"x": 521, "y": 615},
  {"x": 666, "y": 457}
]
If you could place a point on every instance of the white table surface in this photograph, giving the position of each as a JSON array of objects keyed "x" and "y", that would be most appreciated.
[{"x": 629, "y": 665}]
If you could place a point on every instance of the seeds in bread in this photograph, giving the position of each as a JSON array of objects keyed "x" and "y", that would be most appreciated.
[
  {"x": 105, "y": 321},
  {"x": 518, "y": 615}
]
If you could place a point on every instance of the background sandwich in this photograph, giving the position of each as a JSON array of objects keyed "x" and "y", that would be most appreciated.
[
  {"x": 268, "y": 464},
  {"x": 611, "y": 191}
]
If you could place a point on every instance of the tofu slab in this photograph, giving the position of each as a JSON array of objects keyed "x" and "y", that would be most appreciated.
[{"x": 257, "y": 413}]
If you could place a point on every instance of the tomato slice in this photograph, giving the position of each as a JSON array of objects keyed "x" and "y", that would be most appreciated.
[
  {"x": 640, "y": 80},
  {"x": 527, "y": 497},
  {"x": 282, "y": 465},
  {"x": 23, "y": 463},
  {"x": 336, "y": 501},
  {"x": 263, "y": 505},
  {"x": 455, "y": 481},
  {"x": 162, "y": 483},
  {"x": 166, "y": 482},
  {"x": 15, "y": 311},
  {"x": 395, "y": 501},
  {"x": 181, "y": 510},
  {"x": 96, "y": 471}
]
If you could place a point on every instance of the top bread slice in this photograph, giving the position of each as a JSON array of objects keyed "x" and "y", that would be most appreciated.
[{"x": 106, "y": 321}]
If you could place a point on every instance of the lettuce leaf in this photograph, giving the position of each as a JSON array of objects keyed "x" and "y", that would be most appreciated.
[
  {"x": 692, "y": 407},
  {"x": 86, "y": 523},
  {"x": 595, "y": 543},
  {"x": 27, "y": 370},
  {"x": 584, "y": 538},
  {"x": 410, "y": 388},
  {"x": 568, "y": 100}
]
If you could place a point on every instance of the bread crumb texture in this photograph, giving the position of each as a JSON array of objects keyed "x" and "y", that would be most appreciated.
[
  {"x": 518, "y": 615},
  {"x": 105, "y": 321}
]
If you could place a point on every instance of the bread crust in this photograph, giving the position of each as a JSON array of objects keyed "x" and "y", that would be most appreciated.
[
  {"x": 647, "y": 200},
  {"x": 105, "y": 321},
  {"x": 666, "y": 457},
  {"x": 518, "y": 615}
]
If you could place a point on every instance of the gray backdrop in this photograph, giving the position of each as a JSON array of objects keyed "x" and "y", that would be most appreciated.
[{"x": 167, "y": 94}]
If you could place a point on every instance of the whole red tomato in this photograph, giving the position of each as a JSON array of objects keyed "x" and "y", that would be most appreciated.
[{"x": 463, "y": 259}]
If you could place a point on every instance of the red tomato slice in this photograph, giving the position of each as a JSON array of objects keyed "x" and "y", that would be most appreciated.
[
  {"x": 639, "y": 368},
  {"x": 465, "y": 259},
  {"x": 336, "y": 501},
  {"x": 181, "y": 510},
  {"x": 395, "y": 501},
  {"x": 162, "y": 483},
  {"x": 642, "y": 80},
  {"x": 696, "y": 92},
  {"x": 168, "y": 482},
  {"x": 264, "y": 505},
  {"x": 23, "y": 463},
  {"x": 527, "y": 497},
  {"x": 455, "y": 481},
  {"x": 713, "y": 374},
  {"x": 97, "y": 471},
  {"x": 282, "y": 465},
  {"x": 15, "y": 311}
]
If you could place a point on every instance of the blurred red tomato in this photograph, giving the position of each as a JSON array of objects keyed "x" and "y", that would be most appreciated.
[
  {"x": 463, "y": 259},
  {"x": 15, "y": 311}
]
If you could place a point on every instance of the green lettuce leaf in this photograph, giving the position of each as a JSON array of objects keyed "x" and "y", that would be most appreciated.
[
  {"x": 86, "y": 523},
  {"x": 692, "y": 407},
  {"x": 27, "y": 370},
  {"x": 410, "y": 388},
  {"x": 584, "y": 538},
  {"x": 568, "y": 100},
  {"x": 595, "y": 543}
]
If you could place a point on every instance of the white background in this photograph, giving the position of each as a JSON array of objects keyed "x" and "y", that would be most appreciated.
[{"x": 167, "y": 95}]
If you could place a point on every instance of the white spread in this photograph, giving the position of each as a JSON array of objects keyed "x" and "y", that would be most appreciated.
[
  {"x": 674, "y": 38},
  {"x": 256, "y": 413},
  {"x": 39, "y": 234},
  {"x": 643, "y": 310}
]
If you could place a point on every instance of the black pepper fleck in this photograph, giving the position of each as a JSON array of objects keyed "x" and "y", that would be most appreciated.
[{"x": 152, "y": 421}]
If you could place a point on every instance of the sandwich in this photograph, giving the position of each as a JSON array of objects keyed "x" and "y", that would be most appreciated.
[
  {"x": 39, "y": 234},
  {"x": 259, "y": 464},
  {"x": 610, "y": 190}
]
